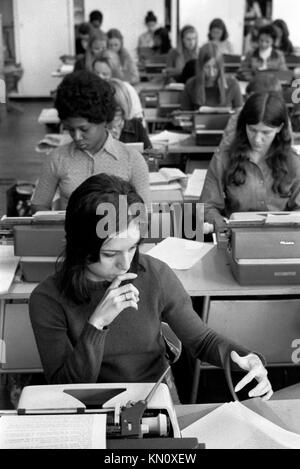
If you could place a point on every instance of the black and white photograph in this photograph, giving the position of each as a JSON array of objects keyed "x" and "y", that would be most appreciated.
[{"x": 149, "y": 227}]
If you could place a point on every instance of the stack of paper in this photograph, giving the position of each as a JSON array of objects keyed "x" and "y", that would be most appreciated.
[
  {"x": 215, "y": 110},
  {"x": 195, "y": 183},
  {"x": 48, "y": 116},
  {"x": 234, "y": 426},
  {"x": 168, "y": 137},
  {"x": 86, "y": 431},
  {"x": 167, "y": 175},
  {"x": 178, "y": 253}
]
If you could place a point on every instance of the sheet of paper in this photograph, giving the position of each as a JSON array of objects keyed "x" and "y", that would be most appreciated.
[
  {"x": 48, "y": 115},
  {"x": 195, "y": 183},
  {"x": 283, "y": 217},
  {"x": 234, "y": 426},
  {"x": 53, "y": 431},
  {"x": 213, "y": 110},
  {"x": 169, "y": 137},
  {"x": 178, "y": 253},
  {"x": 171, "y": 186},
  {"x": 8, "y": 266}
]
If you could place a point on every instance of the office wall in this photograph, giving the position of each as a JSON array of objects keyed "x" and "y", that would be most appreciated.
[
  {"x": 44, "y": 31},
  {"x": 199, "y": 13},
  {"x": 289, "y": 11},
  {"x": 127, "y": 16}
]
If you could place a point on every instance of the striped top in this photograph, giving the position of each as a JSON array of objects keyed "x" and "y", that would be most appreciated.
[{"x": 67, "y": 167}]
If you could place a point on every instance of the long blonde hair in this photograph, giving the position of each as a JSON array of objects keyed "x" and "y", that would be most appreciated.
[
  {"x": 207, "y": 52},
  {"x": 89, "y": 58},
  {"x": 184, "y": 53}
]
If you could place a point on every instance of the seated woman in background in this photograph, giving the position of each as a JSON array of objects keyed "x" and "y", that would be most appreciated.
[
  {"x": 282, "y": 41},
  {"x": 104, "y": 69},
  {"x": 128, "y": 66},
  {"x": 98, "y": 319},
  {"x": 260, "y": 171},
  {"x": 187, "y": 50},
  {"x": 218, "y": 35},
  {"x": 83, "y": 38},
  {"x": 210, "y": 86},
  {"x": 85, "y": 105},
  {"x": 97, "y": 44},
  {"x": 259, "y": 84},
  {"x": 161, "y": 41},
  {"x": 251, "y": 35},
  {"x": 123, "y": 127},
  {"x": 265, "y": 57},
  {"x": 146, "y": 39}
]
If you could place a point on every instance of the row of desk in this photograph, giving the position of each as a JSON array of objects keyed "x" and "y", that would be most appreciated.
[{"x": 263, "y": 318}]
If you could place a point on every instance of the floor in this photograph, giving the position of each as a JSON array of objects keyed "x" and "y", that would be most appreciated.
[{"x": 19, "y": 134}]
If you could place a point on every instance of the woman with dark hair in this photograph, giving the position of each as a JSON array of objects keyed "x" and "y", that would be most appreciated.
[
  {"x": 161, "y": 41},
  {"x": 146, "y": 39},
  {"x": 282, "y": 41},
  {"x": 260, "y": 171},
  {"x": 115, "y": 42},
  {"x": 85, "y": 105},
  {"x": 98, "y": 319},
  {"x": 187, "y": 50},
  {"x": 210, "y": 86},
  {"x": 264, "y": 57},
  {"x": 218, "y": 35}
]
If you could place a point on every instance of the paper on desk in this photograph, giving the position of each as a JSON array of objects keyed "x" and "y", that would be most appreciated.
[
  {"x": 8, "y": 266},
  {"x": 169, "y": 137},
  {"x": 195, "y": 183},
  {"x": 49, "y": 116},
  {"x": 171, "y": 186},
  {"x": 178, "y": 253},
  {"x": 282, "y": 217},
  {"x": 53, "y": 431},
  {"x": 234, "y": 426}
]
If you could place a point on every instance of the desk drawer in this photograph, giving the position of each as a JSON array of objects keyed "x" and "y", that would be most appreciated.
[
  {"x": 21, "y": 349},
  {"x": 271, "y": 327}
]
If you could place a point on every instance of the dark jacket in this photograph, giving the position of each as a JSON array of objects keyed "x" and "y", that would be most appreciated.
[{"x": 134, "y": 131}]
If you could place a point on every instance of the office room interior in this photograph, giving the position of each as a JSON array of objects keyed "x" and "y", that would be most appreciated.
[{"x": 204, "y": 123}]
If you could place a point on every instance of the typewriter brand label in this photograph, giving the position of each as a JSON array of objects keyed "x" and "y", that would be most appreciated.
[
  {"x": 287, "y": 243},
  {"x": 285, "y": 274}
]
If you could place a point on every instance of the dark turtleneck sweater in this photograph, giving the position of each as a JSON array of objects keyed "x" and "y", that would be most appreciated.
[{"x": 131, "y": 349}]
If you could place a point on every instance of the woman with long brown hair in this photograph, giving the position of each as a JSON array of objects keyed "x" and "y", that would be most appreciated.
[
  {"x": 210, "y": 86},
  {"x": 260, "y": 171}
]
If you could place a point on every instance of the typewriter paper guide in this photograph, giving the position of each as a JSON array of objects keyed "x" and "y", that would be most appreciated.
[{"x": 57, "y": 397}]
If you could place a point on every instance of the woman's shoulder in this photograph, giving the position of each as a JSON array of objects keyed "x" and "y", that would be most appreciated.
[
  {"x": 48, "y": 287},
  {"x": 155, "y": 267},
  {"x": 191, "y": 83},
  {"x": 231, "y": 80}
]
